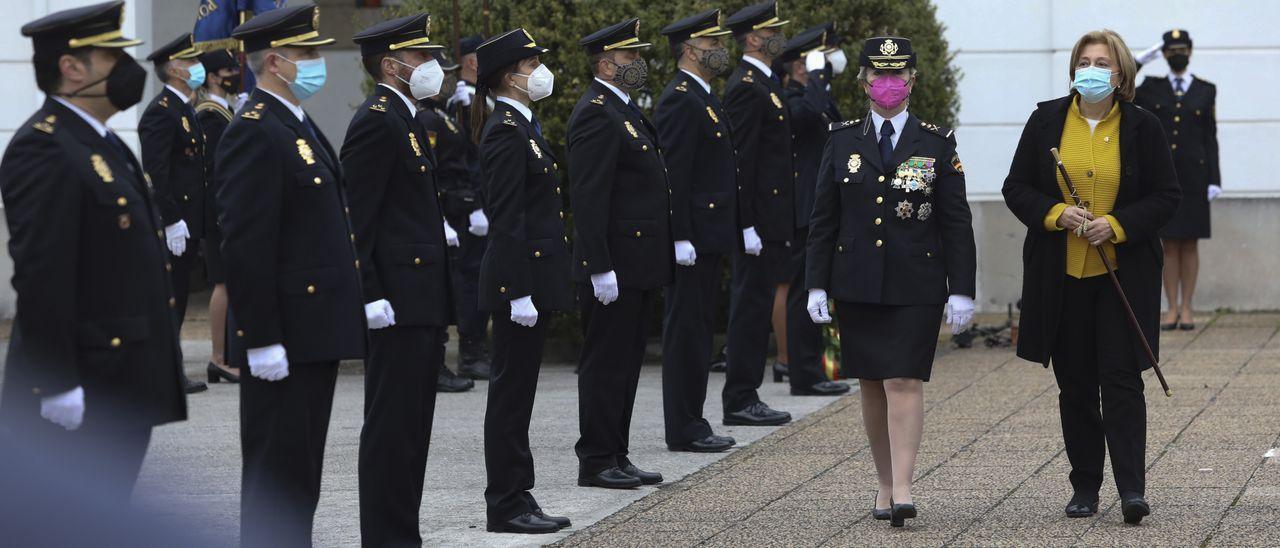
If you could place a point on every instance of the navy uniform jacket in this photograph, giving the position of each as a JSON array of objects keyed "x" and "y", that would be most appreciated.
[
  {"x": 395, "y": 210},
  {"x": 173, "y": 150},
  {"x": 214, "y": 119},
  {"x": 292, "y": 273},
  {"x": 810, "y": 108},
  {"x": 90, "y": 272},
  {"x": 527, "y": 253},
  {"x": 620, "y": 195},
  {"x": 701, "y": 168},
  {"x": 1191, "y": 127},
  {"x": 454, "y": 154},
  {"x": 899, "y": 234},
  {"x": 762, "y": 135}
]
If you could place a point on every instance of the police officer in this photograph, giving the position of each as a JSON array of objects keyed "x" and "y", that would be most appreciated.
[
  {"x": 213, "y": 111},
  {"x": 891, "y": 240},
  {"x": 698, "y": 149},
  {"x": 400, "y": 233},
  {"x": 622, "y": 252},
  {"x": 766, "y": 208},
  {"x": 1186, "y": 105},
  {"x": 523, "y": 276},
  {"x": 292, "y": 275},
  {"x": 93, "y": 363},
  {"x": 462, "y": 206},
  {"x": 804, "y": 68},
  {"x": 173, "y": 150}
]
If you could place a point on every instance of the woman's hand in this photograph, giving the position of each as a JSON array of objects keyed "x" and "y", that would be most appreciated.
[
  {"x": 1072, "y": 217},
  {"x": 1099, "y": 231}
]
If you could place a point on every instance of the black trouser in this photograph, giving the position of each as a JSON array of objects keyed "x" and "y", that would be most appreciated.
[
  {"x": 97, "y": 459},
  {"x": 283, "y": 426},
  {"x": 1094, "y": 354},
  {"x": 517, "y": 357},
  {"x": 804, "y": 338},
  {"x": 181, "y": 277},
  {"x": 399, "y": 405},
  {"x": 464, "y": 265},
  {"x": 687, "y": 330},
  {"x": 608, "y": 373},
  {"x": 755, "y": 280}
]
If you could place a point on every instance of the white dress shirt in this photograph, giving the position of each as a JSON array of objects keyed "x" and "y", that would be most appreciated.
[
  {"x": 220, "y": 100},
  {"x": 97, "y": 126},
  {"x": 898, "y": 121},
  {"x": 185, "y": 98},
  {"x": 295, "y": 109},
  {"x": 1186, "y": 81}
]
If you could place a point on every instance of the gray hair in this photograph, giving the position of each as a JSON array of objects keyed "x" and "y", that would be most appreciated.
[
  {"x": 864, "y": 73},
  {"x": 257, "y": 60}
]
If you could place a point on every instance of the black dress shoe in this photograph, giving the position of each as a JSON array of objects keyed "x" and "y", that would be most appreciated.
[
  {"x": 780, "y": 370},
  {"x": 757, "y": 414},
  {"x": 899, "y": 513},
  {"x": 610, "y": 478},
  {"x": 1169, "y": 326},
  {"x": 1134, "y": 508},
  {"x": 1082, "y": 505},
  {"x": 709, "y": 444},
  {"x": 647, "y": 478},
  {"x": 882, "y": 514},
  {"x": 529, "y": 524},
  {"x": 1186, "y": 327},
  {"x": 478, "y": 370},
  {"x": 560, "y": 521},
  {"x": 447, "y": 381},
  {"x": 824, "y": 388},
  {"x": 191, "y": 387},
  {"x": 217, "y": 374}
]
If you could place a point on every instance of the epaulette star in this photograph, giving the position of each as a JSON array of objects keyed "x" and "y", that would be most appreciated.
[
  {"x": 683, "y": 86},
  {"x": 164, "y": 101},
  {"x": 509, "y": 122},
  {"x": 747, "y": 78},
  {"x": 254, "y": 113},
  {"x": 46, "y": 125}
]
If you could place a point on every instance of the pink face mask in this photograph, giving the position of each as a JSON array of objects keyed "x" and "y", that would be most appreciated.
[{"x": 889, "y": 91}]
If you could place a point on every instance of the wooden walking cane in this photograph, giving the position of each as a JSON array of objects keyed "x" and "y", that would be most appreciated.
[{"x": 1133, "y": 320}]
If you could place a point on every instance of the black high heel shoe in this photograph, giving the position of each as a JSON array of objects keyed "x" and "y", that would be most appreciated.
[
  {"x": 217, "y": 374},
  {"x": 780, "y": 370},
  {"x": 901, "y": 512}
]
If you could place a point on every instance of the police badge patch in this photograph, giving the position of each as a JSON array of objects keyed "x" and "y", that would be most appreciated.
[{"x": 956, "y": 164}]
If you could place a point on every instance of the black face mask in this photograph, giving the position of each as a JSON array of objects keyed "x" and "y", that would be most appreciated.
[
  {"x": 715, "y": 60},
  {"x": 1178, "y": 61},
  {"x": 773, "y": 45},
  {"x": 125, "y": 83},
  {"x": 230, "y": 84},
  {"x": 632, "y": 75}
]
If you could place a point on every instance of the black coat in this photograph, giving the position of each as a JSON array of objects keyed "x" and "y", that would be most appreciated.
[
  {"x": 395, "y": 211},
  {"x": 214, "y": 119},
  {"x": 454, "y": 154},
  {"x": 89, "y": 267},
  {"x": 1191, "y": 126},
  {"x": 619, "y": 192},
  {"x": 762, "y": 135},
  {"x": 527, "y": 253},
  {"x": 292, "y": 273},
  {"x": 810, "y": 107},
  {"x": 173, "y": 150},
  {"x": 697, "y": 146},
  {"x": 1147, "y": 198},
  {"x": 865, "y": 245}
]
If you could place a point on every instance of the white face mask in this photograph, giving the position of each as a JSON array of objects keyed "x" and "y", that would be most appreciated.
[
  {"x": 838, "y": 61},
  {"x": 426, "y": 79},
  {"x": 541, "y": 82}
]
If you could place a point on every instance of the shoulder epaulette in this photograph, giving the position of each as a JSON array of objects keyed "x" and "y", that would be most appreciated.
[
  {"x": 748, "y": 78},
  {"x": 254, "y": 113},
  {"x": 837, "y": 126},
  {"x": 509, "y": 122},
  {"x": 47, "y": 125},
  {"x": 943, "y": 132},
  {"x": 599, "y": 100},
  {"x": 380, "y": 106},
  {"x": 683, "y": 86},
  {"x": 164, "y": 101}
]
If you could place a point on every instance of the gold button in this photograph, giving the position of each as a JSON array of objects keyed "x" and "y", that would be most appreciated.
[
  {"x": 357, "y": 263},
  {"x": 1106, "y": 139},
  {"x": 879, "y": 243},
  {"x": 879, "y": 199},
  {"x": 346, "y": 210},
  {"x": 780, "y": 118},
  {"x": 880, "y": 179},
  {"x": 353, "y": 238},
  {"x": 545, "y": 170},
  {"x": 717, "y": 134},
  {"x": 186, "y": 198},
  {"x": 239, "y": 332},
  {"x": 775, "y": 192},
  {"x": 584, "y": 263},
  {"x": 566, "y": 240},
  {"x": 644, "y": 147},
  {"x": 637, "y": 233},
  {"x": 839, "y": 248},
  {"x": 168, "y": 267},
  {"x": 502, "y": 290},
  {"x": 537, "y": 254},
  {"x": 422, "y": 169},
  {"x": 316, "y": 180},
  {"x": 115, "y": 342},
  {"x": 1197, "y": 112},
  {"x": 1173, "y": 147},
  {"x": 711, "y": 205},
  {"x": 160, "y": 234},
  {"x": 555, "y": 165},
  {"x": 878, "y": 221},
  {"x": 173, "y": 302},
  {"x": 417, "y": 260},
  {"x": 1175, "y": 132},
  {"x": 928, "y": 254},
  {"x": 561, "y": 214},
  {"x": 1177, "y": 119},
  {"x": 121, "y": 201},
  {"x": 846, "y": 179},
  {"x": 1177, "y": 105},
  {"x": 795, "y": 174},
  {"x": 557, "y": 190},
  {"x": 311, "y": 289}
]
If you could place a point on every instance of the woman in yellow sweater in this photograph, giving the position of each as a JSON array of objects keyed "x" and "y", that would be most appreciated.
[{"x": 1072, "y": 317}]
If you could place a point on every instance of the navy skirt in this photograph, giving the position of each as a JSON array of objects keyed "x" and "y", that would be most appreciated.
[{"x": 888, "y": 342}]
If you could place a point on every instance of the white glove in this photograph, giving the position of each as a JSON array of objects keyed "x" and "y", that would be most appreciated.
[
  {"x": 605, "y": 286},
  {"x": 1148, "y": 55},
  {"x": 65, "y": 409},
  {"x": 815, "y": 60},
  {"x": 268, "y": 363},
  {"x": 523, "y": 311},
  {"x": 379, "y": 314},
  {"x": 959, "y": 313},
  {"x": 1214, "y": 192},
  {"x": 479, "y": 223},
  {"x": 462, "y": 95},
  {"x": 450, "y": 235},
  {"x": 838, "y": 61},
  {"x": 751, "y": 241},
  {"x": 818, "y": 306},
  {"x": 686, "y": 255},
  {"x": 175, "y": 235}
]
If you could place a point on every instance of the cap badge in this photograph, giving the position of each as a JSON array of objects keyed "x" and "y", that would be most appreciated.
[
  {"x": 888, "y": 47},
  {"x": 1177, "y": 34},
  {"x": 315, "y": 18}
]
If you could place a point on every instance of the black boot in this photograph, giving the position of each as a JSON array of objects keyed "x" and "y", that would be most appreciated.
[
  {"x": 449, "y": 382},
  {"x": 473, "y": 360}
]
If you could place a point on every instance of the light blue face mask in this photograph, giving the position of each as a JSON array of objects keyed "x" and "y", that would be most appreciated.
[
  {"x": 195, "y": 75},
  {"x": 1093, "y": 83},
  {"x": 310, "y": 78}
]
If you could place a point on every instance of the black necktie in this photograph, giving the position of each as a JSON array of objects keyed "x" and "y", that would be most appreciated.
[
  {"x": 537, "y": 126},
  {"x": 632, "y": 105},
  {"x": 1177, "y": 86},
  {"x": 886, "y": 143}
]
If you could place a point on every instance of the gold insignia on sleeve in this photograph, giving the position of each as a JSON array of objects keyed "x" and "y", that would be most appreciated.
[
  {"x": 631, "y": 129},
  {"x": 888, "y": 47},
  {"x": 712, "y": 113},
  {"x": 186, "y": 125},
  {"x": 255, "y": 113},
  {"x": 101, "y": 167},
  {"x": 305, "y": 152},
  {"x": 413, "y": 142},
  {"x": 536, "y": 151},
  {"x": 448, "y": 122},
  {"x": 776, "y": 101},
  {"x": 956, "y": 164},
  {"x": 432, "y": 138},
  {"x": 599, "y": 100},
  {"x": 855, "y": 162}
]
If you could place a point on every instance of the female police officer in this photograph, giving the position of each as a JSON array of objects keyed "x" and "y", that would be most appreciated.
[{"x": 890, "y": 238}]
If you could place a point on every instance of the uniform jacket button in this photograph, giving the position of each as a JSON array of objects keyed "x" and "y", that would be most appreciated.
[
  {"x": 186, "y": 198},
  {"x": 311, "y": 289},
  {"x": 879, "y": 199},
  {"x": 878, "y": 221},
  {"x": 637, "y": 233},
  {"x": 422, "y": 169},
  {"x": 239, "y": 332},
  {"x": 584, "y": 263},
  {"x": 846, "y": 179},
  {"x": 417, "y": 260},
  {"x": 644, "y": 147},
  {"x": 502, "y": 290},
  {"x": 168, "y": 267},
  {"x": 357, "y": 263},
  {"x": 121, "y": 201},
  {"x": 561, "y": 214},
  {"x": 115, "y": 342},
  {"x": 537, "y": 254},
  {"x": 879, "y": 243},
  {"x": 775, "y": 192},
  {"x": 711, "y": 205},
  {"x": 880, "y": 179},
  {"x": 173, "y": 302},
  {"x": 317, "y": 180},
  {"x": 840, "y": 248}
]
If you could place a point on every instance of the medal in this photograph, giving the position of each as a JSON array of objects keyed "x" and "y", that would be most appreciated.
[
  {"x": 926, "y": 210},
  {"x": 904, "y": 210}
]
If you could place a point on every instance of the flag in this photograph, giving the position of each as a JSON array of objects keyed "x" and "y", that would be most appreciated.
[{"x": 215, "y": 19}]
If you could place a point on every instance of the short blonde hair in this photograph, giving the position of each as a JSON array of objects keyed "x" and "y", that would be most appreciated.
[{"x": 1119, "y": 53}]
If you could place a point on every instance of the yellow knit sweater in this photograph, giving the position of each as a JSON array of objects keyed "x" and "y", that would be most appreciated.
[{"x": 1092, "y": 158}]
